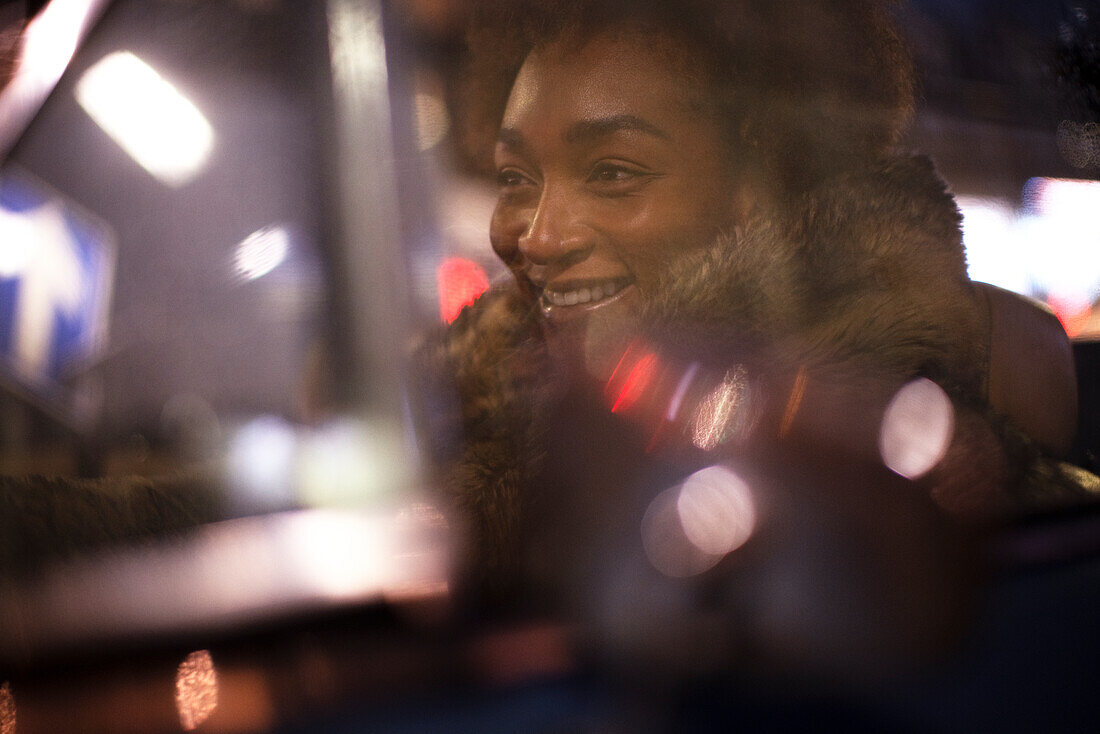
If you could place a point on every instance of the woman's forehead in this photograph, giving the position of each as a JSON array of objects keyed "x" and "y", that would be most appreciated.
[{"x": 606, "y": 74}]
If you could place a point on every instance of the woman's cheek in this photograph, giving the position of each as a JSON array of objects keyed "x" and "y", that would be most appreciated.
[{"x": 504, "y": 233}]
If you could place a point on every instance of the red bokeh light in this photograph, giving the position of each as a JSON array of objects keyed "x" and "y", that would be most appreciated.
[
  {"x": 460, "y": 282},
  {"x": 636, "y": 383}
]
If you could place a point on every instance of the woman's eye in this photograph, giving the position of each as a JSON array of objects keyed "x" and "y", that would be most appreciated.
[
  {"x": 510, "y": 178},
  {"x": 612, "y": 174}
]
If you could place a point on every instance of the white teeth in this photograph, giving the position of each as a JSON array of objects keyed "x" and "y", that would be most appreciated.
[{"x": 583, "y": 295}]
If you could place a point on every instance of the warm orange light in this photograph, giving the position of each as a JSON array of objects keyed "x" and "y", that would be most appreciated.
[
  {"x": 460, "y": 283},
  {"x": 798, "y": 390},
  {"x": 196, "y": 689},
  {"x": 7, "y": 710},
  {"x": 1073, "y": 313}
]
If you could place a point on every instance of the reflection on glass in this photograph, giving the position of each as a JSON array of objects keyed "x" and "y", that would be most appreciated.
[
  {"x": 724, "y": 413},
  {"x": 917, "y": 429},
  {"x": 160, "y": 128},
  {"x": 261, "y": 252},
  {"x": 688, "y": 529},
  {"x": 716, "y": 510},
  {"x": 681, "y": 391},
  {"x": 196, "y": 689}
]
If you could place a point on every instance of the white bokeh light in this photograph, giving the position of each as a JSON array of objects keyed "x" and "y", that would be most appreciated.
[
  {"x": 261, "y": 460},
  {"x": 994, "y": 252},
  {"x": 917, "y": 428},
  {"x": 50, "y": 40},
  {"x": 688, "y": 529},
  {"x": 17, "y": 241},
  {"x": 340, "y": 553},
  {"x": 346, "y": 462},
  {"x": 156, "y": 125},
  {"x": 716, "y": 510},
  {"x": 261, "y": 252}
]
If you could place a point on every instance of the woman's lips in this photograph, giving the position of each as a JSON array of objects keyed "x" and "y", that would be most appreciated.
[{"x": 564, "y": 300}]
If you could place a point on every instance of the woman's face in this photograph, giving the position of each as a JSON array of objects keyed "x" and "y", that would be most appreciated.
[{"x": 608, "y": 169}]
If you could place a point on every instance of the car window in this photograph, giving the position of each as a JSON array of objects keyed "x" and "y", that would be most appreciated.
[{"x": 311, "y": 397}]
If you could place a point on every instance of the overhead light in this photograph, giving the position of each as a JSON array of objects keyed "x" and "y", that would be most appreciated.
[{"x": 160, "y": 128}]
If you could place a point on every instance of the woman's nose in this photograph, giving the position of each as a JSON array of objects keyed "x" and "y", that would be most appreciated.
[{"x": 554, "y": 234}]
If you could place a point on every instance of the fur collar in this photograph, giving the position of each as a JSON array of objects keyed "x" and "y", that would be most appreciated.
[{"x": 866, "y": 272}]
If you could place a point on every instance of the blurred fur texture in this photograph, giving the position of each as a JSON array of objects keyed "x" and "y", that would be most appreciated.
[
  {"x": 45, "y": 520},
  {"x": 861, "y": 280},
  {"x": 865, "y": 273}
]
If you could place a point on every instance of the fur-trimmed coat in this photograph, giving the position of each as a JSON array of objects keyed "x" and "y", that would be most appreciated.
[{"x": 861, "y": 283}]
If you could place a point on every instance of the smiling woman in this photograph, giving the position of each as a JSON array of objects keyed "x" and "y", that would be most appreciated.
[
  {"x": 607, "y": 172},
  {"x": 708, "y": 189}
]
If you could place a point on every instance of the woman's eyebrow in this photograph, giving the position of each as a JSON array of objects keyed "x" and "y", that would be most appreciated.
[
  {"x": 584, "y": 131},
  {"x": 589, "y": 130}
]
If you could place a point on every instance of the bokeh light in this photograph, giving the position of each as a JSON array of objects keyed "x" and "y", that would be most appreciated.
[
  {"x": 7, "y": 710},
  {"x": 688, "y": 529},
  {"x": 17, "y": 243},
  {"x": 724, "y": 412},
  {"x": 50, "y": 40},
  {"x": 196, "y": 689},
  {"x": 261, "y": 252},
  {"x": 995, "y": 250},
  {"x": 345, "y": 462},
  {"x": 1048, "y": 249},
  {"x": 149, "y": 118},
  {"x": 716, "y": 510},
  {"x": 459, "y": 282},
  {"x": 637, "y": 380},
  {"x": 680, "y": 393},
  {"x": 260, "y": 463},
  {"x": 917, "y": 428},
  {"x": 340, "y": 554}
]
